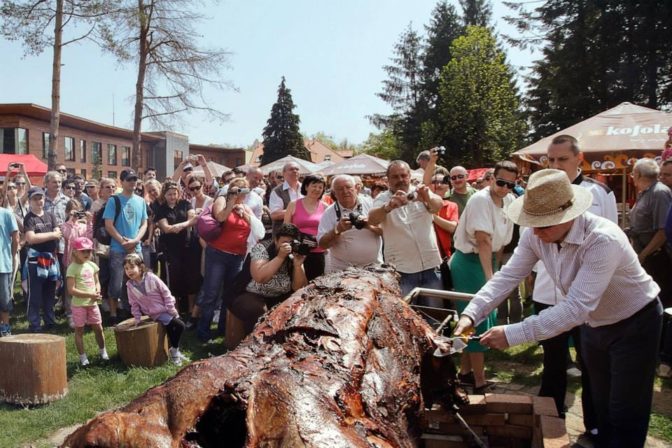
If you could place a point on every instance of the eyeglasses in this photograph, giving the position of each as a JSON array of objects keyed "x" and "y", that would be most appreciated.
[
  {"x": 63, "y": 170},
  {"x": 11, "y": 187},
  {"x": 196, "y": 188},
  {"x": 458, "y": 176},
  {"x": 20, "y": 184},
  {"x": 69, "y": 187},
  {"x": 502, "y": 183}
]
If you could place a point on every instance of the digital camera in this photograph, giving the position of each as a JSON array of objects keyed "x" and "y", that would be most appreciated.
[
  {"x": 357, "y": 220},
  {"x": 440, "y": 150},
  {"x": 302, "y": 247},
  {"x": 239, "y": 191}
]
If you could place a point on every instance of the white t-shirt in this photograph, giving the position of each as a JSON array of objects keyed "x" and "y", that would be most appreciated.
[{"x": 482, "y": 215}]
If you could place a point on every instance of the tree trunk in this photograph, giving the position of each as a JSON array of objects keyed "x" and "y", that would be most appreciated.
[
  {"x": 56, "y": 87},
  {"x": 144, "y": 18},
  {"x": 145, "y": 345}
]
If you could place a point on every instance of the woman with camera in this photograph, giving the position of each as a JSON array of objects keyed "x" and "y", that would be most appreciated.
[
  {"x": 224, "y": 255},
  {"x": 305, "y": 214},
  {"x": 276, "y": 272}
]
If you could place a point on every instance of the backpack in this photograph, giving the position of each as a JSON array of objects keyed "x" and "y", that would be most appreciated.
[
  {"x": 207, "y": 225},
  {"x": 99, "y": 231}
]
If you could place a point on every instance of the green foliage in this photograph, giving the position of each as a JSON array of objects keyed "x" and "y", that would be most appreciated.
[
  {"x": 281, "y": 134},
  {"x": 383, "y": 145},
  {"x": 476, "y": 12},
  {"x": 479, "y": 105}
]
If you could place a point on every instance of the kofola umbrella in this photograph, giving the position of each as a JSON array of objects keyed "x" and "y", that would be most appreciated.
[
  {"x": 611, "y": 139},
  {"x": 216, "y": 169},
  {"x": 305, "y": 167},
  {"x": 361, "y": 164},
  {"x": 35, "y": 168}
]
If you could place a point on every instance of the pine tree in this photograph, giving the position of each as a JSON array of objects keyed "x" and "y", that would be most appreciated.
[
  {"x": 281, "y": 134},
  {"x": 476, "y": 12}
]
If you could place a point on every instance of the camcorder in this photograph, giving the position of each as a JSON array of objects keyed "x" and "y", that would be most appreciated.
[
  {"x": 80, "y": 215},
  {"x": 303, "y": 246},
  {"x": 357, "y": 220},
  {"x": 238, "y": 191},
  {"x": 440, "y": 150}
]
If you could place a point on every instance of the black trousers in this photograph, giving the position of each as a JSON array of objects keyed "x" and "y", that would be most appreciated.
[
  {"x": 554, "y": 376},
  {"x": 174, "y": 331}
]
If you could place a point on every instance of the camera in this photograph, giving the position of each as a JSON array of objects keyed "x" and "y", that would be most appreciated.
[
  {"x": 302, "y": 247},
  {"x": 357, "y": 220},
  {"x": 238, "y": 191},
  {"x": 412, "y": 195},
  {"x": 14, "y": 165},
  {"x": 80, "y": 215},
  {"x": 440, "y": 150}
]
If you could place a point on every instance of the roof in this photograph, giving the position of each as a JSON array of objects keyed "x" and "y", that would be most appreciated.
[
  {"x": 318, "y": 153},
  {"x": 195, "y": 147}
]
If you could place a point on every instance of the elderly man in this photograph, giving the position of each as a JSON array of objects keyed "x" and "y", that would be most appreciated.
[
  {"x": 283, "y": 194},
  {"x": 462, "y": 191},
  {"x": 647, "y": 225},
  {"x": 607, "y": 292},
  {"x": 406, "y": 215},
  {"x": 349, "y": 243},
  {"x": 564, "y": 154},
  {"x": 666, "y": 173}
]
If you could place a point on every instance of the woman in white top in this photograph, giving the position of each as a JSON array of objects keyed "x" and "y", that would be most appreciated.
[{"x": 481, "y": 234}]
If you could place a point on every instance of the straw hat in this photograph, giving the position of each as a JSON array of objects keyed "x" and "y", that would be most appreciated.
[{"x": 549, "y": 199}]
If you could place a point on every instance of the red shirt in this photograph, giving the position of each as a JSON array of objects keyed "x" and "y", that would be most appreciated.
[
  {"x": 233, "y": 237},
  {"x": 448, "y": 212}
]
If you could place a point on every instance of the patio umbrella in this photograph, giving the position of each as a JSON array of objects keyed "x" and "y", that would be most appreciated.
[
  {"x": 216, "y": 169},
  {"x": 305, "y": 167},
  {"x": 35, "y": 168},
  {"x": 361, "y": 164}
]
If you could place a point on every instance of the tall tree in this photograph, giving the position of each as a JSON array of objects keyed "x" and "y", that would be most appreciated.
[
  {"x": 40, "y": 24},
  {"x": 160, "y": 36},
  {"x": 281, "y": 134},
  {"x": 383, "y": 145},
  {"x": 476, "y": 12},
  {"x": 479, "y": 102}
]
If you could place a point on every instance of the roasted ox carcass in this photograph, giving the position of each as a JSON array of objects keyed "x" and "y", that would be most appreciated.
[{"x": 342, "y": 363}]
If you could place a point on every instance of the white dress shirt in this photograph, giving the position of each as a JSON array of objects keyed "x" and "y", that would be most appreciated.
[
  {"x": 595, "y": 268},
  {"x": 275, "y": 202}
]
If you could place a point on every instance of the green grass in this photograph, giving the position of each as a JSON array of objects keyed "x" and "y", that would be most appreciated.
[{"x": 100, "y": 386}]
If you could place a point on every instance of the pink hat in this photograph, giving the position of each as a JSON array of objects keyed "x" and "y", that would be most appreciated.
[{"x": 82, "y": 243}]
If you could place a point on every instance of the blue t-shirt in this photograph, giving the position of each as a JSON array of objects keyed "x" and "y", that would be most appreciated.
[
  {"x": 134, "y": 211},
  {"x": 7, "y": 227}
]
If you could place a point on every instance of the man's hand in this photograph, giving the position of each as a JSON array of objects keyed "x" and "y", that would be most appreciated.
[
  {"x": 200, "y": 159},
  {"x": 464, "y": 327},
  {"x": 495, "y": 338},
  {"x": 397, "y": 200},
  {"x": 344, "y": 224},
  {"x": 433, "y": 155},
  {"x": 423, "y": 193},
  {"x": 129, "y": 245}
]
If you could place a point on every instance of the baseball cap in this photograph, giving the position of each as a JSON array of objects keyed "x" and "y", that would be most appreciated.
[
  {"x": 187, "y": 167},
  {"x": 82, "y": 243},
  {"x": 35, "y": 191},
  {"x": 128, "y": 174}
]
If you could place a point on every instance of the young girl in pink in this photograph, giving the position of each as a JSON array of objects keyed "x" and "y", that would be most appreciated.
[{"x": 148, "y": 295}]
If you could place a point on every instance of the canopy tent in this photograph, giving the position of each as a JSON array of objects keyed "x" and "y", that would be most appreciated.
[
  {"x": 611, "y": 139},
  {"x": 473, "y": 175},
  {"x": 35, "y": 168},
  {"x": 361, "y": 164},
  {"x": 216, "y": 169},
  {"x": 305, "y": 167}
]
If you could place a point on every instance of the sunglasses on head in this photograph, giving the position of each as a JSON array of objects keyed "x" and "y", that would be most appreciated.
[
  {"x": 502, "y": 183},
  {"x": 458, "y": 176}
]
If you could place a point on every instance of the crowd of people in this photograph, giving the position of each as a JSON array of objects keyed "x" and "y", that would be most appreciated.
[{"x": 188, "y": 250}]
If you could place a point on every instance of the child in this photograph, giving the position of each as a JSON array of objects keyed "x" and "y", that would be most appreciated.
[
  {"x": 147, "y": 294},
  {"x": 84, "y": 288},
  {"x": 76, "y": 226}
]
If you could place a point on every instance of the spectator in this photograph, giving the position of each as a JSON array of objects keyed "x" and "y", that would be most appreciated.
[
  {"x": 69, "y": 188},
  {"x": 305, "y": 214},
  {"x": 462, "y": 191},
  {"x": 42, "y": 235},
  {"x": 276, "y": 273},
  {"x": 152, "y": 190},
  {"x": 147, "y": 294},
  {"x": 55, "y": 202},
  {"x": 666, "y": 173},
  {"x": 564, "y": 154},
  {"x": 107, "y": 188},
  {"x": 199, "y": 201},
  {"x": 348, "y": 245},
  {"x": 91, "y": 190},
  {"x": 406, "y": 217},
  {"x": 378, "y": 188},
  {"x": 9, "y": 248},
  {"x": 481, "y": 234},
  {"x": 427, "y": 161},
  {"x": 84, "y": 288},
  {"x": 126, "y": 231},
  {"x": 445, "y": 220},
  {"x": 184, "y": 171},
  {"x": 12, "y": 201},
  {"x": 608, "y": 293},
  {"x": 80, "y": 194},
  {"x": 647, "y": 225},
  {"x": 283, "y": 194},
  {"x": 149, "y": 174},
  {"x": 253, "y": 199}
]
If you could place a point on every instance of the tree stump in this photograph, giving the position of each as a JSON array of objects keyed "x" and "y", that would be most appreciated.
[
  {"x": 143, "y": 346},
  {"x": 235, "y": 331},
  {"x": 33, "y": 369}
]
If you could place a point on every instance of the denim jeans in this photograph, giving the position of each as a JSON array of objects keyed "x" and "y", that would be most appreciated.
[
  {"x": 220, "y": 270},
  {"x": 41, "y": 295},
  {"x": 621, "y": 359},
  {"x": 118, "y": 279},
  {"x": 429, "y": 278}
]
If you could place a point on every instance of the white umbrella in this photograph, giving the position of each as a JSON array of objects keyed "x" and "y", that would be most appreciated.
[
  {"x": 305, "y": 167},
  {"x": 361, "y": 164}
]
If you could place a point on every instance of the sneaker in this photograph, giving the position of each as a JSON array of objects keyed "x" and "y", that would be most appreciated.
[
  {"x": 574, "y": 372},
  {"x": 5, "y": 330},
  {"x": 83, "y": 360},
  {"x": 103, "y": 355},
  {"x": 177, "y": 357},
  {"x": 190, "y": 324}
]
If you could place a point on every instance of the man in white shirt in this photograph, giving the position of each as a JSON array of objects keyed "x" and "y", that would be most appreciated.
[
  {"x": 348, "y": 244},
  {"x": 607, "y": 292},
  {"x": 564, "y": 154},
  {"x": 283, "y": 194},
  {"x": 406, "y": 216}
]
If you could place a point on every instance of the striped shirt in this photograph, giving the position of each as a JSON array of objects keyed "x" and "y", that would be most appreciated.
[{"x": 595, "y": 268}]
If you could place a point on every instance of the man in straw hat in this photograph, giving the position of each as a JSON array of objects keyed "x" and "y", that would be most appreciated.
[{"x": 607, "y": 292}]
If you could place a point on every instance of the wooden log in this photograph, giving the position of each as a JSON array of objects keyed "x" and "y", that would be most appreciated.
[
  {"x": 144, "y": 346},
  {"x": 33, "y": 369},
  {"x": 235, "y": 331}
]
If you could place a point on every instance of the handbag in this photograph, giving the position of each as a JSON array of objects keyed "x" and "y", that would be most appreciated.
[{"x": 207, "y": 225}]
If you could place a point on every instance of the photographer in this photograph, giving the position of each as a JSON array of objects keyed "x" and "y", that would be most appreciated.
[
  {"x": 344, "y": 228},
  {"x": 276, "y": 273},
  {"x": 184, "y": 171}
]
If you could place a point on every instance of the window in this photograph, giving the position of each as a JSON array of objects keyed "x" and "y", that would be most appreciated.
[
  {"x": 13, "y": 141},
  {"x": 112, "y": 174},
  {"x": 125, "y": 156},
  {"x": 111, "y": 154},
  {"x": 177, "y": 157},
  {"x": 82, "y": 172},
  {"x": 97, "y": 153},
  {"x": 69, "y": 146},
  {"x": 45, "y": 145},
  {"x": 82, "y": 151},
  {"x": 238, "y": 162}
]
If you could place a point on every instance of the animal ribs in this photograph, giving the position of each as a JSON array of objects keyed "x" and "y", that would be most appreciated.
[{"x": 338, "y": 364}]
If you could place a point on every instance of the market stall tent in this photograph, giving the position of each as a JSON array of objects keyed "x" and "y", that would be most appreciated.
[
  {"x": 35, "y": 168},
  {"x": 361, "y": 164},
  {"x": 305, "y": 167}
]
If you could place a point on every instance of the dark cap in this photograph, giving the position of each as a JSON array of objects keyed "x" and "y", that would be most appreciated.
[
  {"x": 35, "y": 191},
  {"x": 128, "y": 174}
]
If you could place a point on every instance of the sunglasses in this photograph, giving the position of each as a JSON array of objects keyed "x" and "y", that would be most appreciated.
[
  {"x": 195, "y": 188},
  {"x": 11, "y": 187},
  {"x": 459, "y": 176},
  {"x": 20, "y": 183},
  {"x": 502, "y": 183},
  {"x": 62, "y": 170},
  {"x": 69, "y": 187}
]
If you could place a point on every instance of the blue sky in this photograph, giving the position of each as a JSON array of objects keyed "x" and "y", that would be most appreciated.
[{"x": 331, "y": 54}]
